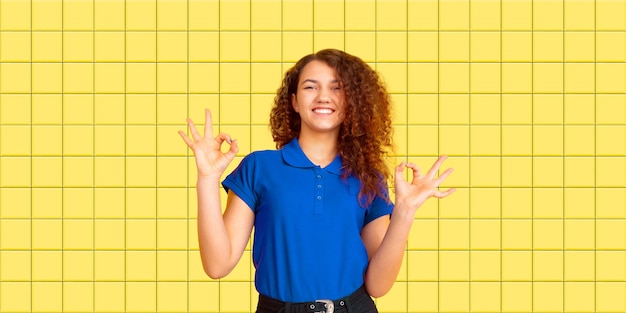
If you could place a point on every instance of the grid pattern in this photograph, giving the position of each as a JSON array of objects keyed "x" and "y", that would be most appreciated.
[{"x": 97, "y": 198}]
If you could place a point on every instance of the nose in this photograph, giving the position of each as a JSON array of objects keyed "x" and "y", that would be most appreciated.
[{"x": 324, "y": 95}]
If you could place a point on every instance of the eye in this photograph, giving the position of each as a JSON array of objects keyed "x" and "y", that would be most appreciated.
[{"x": 308, "y": 87}]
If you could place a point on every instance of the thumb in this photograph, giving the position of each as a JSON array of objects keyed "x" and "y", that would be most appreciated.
[
  {"x": 400, "y": 171},
  {"x": 234, "y": 148}
]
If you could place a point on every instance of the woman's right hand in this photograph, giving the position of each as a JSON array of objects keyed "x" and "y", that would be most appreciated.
[{"x": 210, "y": 160}]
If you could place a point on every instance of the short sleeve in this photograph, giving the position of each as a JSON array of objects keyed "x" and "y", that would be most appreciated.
[
  {"x": 242, "y": 181},
  {"x": 378, "y": 208}
]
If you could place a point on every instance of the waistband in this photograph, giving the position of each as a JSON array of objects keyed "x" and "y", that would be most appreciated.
[{"x": 358, "y": 299}]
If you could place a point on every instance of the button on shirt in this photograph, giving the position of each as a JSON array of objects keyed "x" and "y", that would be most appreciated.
[{"x": 307, "y": 242}]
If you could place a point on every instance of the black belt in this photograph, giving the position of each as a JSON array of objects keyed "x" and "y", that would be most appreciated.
[{"x": 359, "y": 298}]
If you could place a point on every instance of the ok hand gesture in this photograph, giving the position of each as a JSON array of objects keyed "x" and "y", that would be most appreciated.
[
  {"x": 210, "y": 160},
  {"x": 412, "y": 195}
]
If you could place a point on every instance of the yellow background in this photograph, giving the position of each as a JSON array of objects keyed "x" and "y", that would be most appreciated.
[{"x": 527, "y": 98}]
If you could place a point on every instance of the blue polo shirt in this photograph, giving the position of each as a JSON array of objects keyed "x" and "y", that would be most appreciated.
[{"x": 307, "y": 238}]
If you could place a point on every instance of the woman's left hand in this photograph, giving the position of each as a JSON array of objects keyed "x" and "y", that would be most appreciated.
[{"x": 412, "y": 195}]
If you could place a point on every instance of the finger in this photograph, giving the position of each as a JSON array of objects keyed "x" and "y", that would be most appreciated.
[
  {"x": 417, "y": 173},
  {"x": 221, "y": 137},
  {"x": 234, "y": 148},
  {"x": 433, "y": 170},
  {"x": 443, "y": 176},
  {"x": 185, "y": 138},
  {"x": 208, "y": 124},
  {"x": 194, "y": 131},
  {"x": 399, "y": 177},
  {"x": 443, "y": 194}
]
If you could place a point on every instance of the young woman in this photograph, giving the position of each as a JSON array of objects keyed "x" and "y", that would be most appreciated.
[{"x": 325, "y": 239}]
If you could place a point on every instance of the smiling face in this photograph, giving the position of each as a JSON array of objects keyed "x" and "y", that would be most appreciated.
[{"x": 319, "y": 99}]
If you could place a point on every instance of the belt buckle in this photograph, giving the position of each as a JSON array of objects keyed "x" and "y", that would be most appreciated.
[{"x": 328, "y": 304}]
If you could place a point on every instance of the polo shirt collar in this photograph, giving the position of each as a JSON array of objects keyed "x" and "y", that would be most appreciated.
[{"x": 294, "y": 156}]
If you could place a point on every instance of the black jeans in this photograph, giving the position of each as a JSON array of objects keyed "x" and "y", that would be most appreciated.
[{"x": 358, "y": 302}]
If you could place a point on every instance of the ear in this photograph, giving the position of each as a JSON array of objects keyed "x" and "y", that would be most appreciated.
[{"x": 294, "y": 102}]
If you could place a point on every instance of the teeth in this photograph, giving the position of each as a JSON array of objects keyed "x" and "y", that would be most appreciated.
[{"x": 323, "y": 111}]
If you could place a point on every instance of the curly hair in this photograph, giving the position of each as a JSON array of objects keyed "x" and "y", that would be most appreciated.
[{"x": 365, "y": 136}]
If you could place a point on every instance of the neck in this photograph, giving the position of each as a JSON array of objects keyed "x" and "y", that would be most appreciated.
[{"x": 321, "y": 149}]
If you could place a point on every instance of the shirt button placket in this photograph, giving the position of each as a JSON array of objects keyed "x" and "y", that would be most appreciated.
[{"x": 319, "y": 192}]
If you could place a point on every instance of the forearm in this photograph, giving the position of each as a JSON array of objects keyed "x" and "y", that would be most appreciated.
[
  {"x": 386, "y": 262},
  {"x": 214, "y": 241}
]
